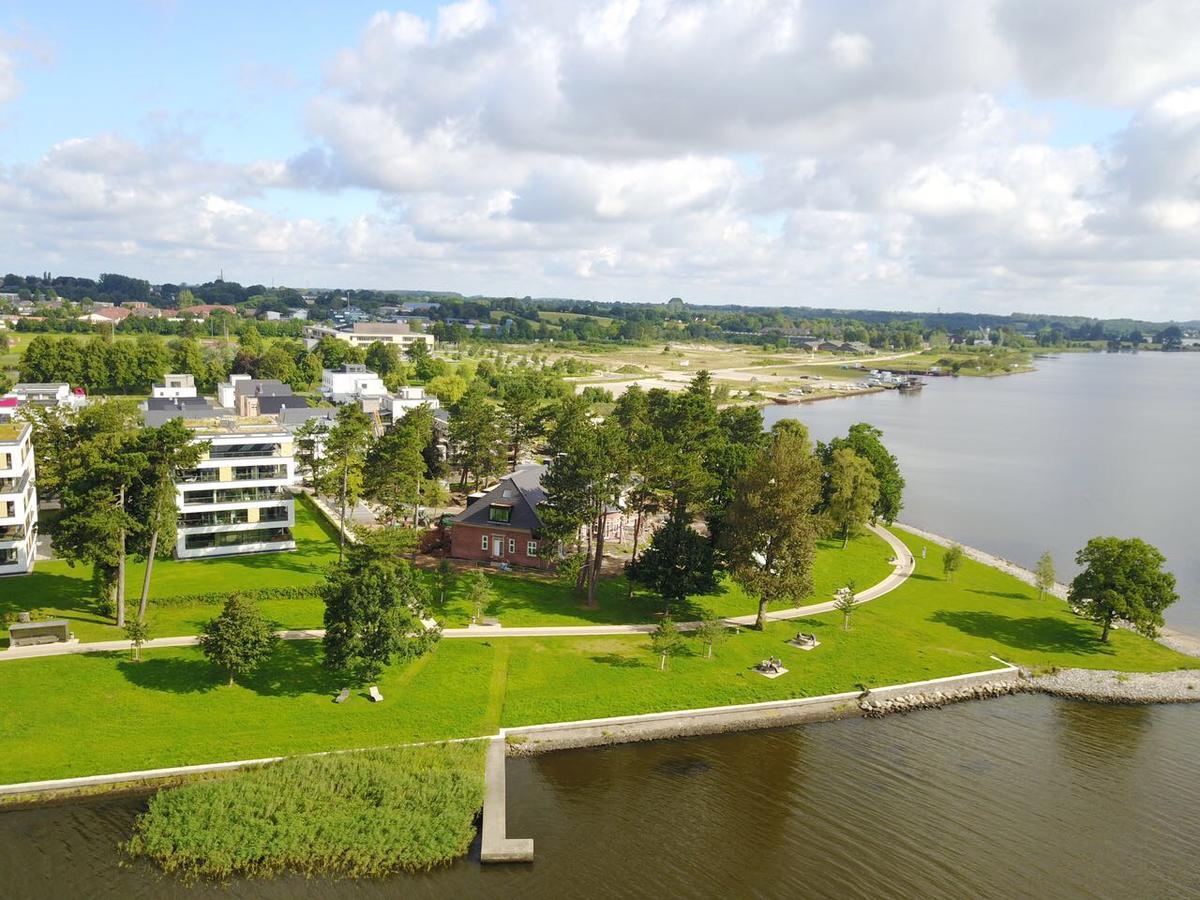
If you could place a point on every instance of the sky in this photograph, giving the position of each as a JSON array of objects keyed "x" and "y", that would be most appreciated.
[{"x": 989, "y": 155}]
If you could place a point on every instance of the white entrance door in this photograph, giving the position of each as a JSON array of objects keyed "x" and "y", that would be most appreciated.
[{"x": 497, "y": 545}]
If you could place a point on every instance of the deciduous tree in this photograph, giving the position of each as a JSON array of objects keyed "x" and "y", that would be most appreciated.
[
  {"x": 1043, "y": 575},
  {"x": 1122, "y": 579},
  {"x": 952, "y": 560},
  {"x": 374, "y": 607},
  {"x": 238, "y": 640},
  {"x": 771, "y": 530},
  {"x": 853, "y": 492}
]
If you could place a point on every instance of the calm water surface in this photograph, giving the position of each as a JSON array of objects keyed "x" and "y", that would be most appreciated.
[
  {"x": 1089, "y": 444},
  {"x": 1018, "y": 797}
]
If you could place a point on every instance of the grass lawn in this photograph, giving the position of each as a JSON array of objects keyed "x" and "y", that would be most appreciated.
[
  {"x": 535, "y": 600},
  {"x": 59, "y": 590},
  {"x": 175, "y": 709}
]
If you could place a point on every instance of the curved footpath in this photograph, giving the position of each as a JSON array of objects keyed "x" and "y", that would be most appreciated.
[{"x": 904, "y": 566}]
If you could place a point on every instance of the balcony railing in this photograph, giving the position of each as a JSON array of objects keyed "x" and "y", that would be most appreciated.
[
  {"x": 231, "y": 517},
  {"x": 12, "y": 533},
  {"x": 242, "y": 451},
  {"x": 239, "y": 473},
  {"x": 233, "y": 495},
  {"x": 237, "y": 538}
]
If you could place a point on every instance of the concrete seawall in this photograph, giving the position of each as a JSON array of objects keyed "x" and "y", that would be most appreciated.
[{"x": 534, "y": 739}]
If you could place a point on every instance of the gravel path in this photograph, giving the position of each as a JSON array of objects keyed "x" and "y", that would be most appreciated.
[{"x": 1181, "y": 686}]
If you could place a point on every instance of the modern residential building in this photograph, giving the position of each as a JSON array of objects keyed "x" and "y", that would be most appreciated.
[
  {"x": 503, "y": 525},
  {"x": 54, "y": 393},
  {"x": 409, "y": 397},
  {"x": 351, "y": 382},
  {"x": 175, "y": 386},
  {"x": 247, "y": 396},
  {"x": 18, "y": 499},
  {"x": 364, "y": 334},
  {"x": 237, "y": 499}
]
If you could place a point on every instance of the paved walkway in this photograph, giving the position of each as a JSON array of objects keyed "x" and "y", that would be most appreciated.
[{"x": 904, "y": 567}]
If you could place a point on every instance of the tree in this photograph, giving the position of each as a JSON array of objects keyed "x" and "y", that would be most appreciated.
[
  {"x": 481, "y": 596},
  {"x": 867, "y": 441},
  {"x": 844, "y": 603},
  {"x": 853, "y": 492},
  {"x": 166, "y": 450},
  {"x": 445, "y": 579},
  {"x": 519, "y": 402},
  {"x": 666, "y": 641},
  {"x": 103, "y": 462},
  {"x": 1043, "y": 575},
  {"x": 711, "y": 632},
  {"x": 137, "y": 633},
  {"x": 346, "y": 446},
  {"x": 952, "y": 560},
  {"x": 395, "y": 473},
  {"x": 374, "y": 607},
  {"x": 770, "y": 530},
  {"x": 52, "y": 437},
  {"x": 476, "y": 438},
  {"x": 383, "y": 359},
  {"x": 677, "y": 564},
  {"x": 583, "y": 482},
  {"x": 238, "y": 640},
  {"x": 1122, "y": 579}
]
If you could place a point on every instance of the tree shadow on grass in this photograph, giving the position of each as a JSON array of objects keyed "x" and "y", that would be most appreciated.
[
  {"x": 1042, "y": 633},
  {"x": 173, "y": 674},
  {"x": 293, "y": 669},
  {"x": 616, "y": 660},
  {"x": 1009, "y": 595},
  {"x": 917, "y": 576}
]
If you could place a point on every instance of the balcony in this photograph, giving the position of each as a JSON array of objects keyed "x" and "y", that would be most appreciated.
[
  {"x": 198, "y": 476},
  {"x": 12, "y": 533},
  {"x": 234, "y": 495},
  {"x": 232, "y": 517},
  {"x": 242, "y": 451},
  {"x": 259, "y": 473},
  {"x": 233, "y": 539}
]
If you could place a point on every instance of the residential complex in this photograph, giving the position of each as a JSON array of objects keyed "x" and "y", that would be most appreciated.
[
  {"x": 351, "y": 382},
  {"x": 364, "y": 334},
  {"x": 18, "y": 500},
  {"x": 237, "y": 499}
]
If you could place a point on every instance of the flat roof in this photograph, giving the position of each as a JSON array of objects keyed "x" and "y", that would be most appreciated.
[{"x": 11, "y": 432}]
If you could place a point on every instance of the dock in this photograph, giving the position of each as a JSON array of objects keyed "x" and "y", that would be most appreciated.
[{"x": 495, "y": 845}]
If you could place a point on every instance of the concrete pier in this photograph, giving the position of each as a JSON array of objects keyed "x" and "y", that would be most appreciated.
[{"x": 495, "y": 845}]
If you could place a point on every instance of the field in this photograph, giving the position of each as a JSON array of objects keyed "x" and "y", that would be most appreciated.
[
  {"x": 55, "y": 589},
  {"x": 538, "y": 600},
  {"x": 174, "y": 708}
]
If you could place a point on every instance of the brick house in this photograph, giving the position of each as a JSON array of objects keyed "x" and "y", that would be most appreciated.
[{"x": 503, "y": 525}]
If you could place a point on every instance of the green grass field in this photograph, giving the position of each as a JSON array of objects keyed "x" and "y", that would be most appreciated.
[
  {"x": 537, "y": 600},
  {"x": 55, "y": 589},
  {"x": 175, "y": 709}
]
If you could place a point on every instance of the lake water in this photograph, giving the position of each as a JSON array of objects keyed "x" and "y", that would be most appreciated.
[
  {"x": 1089, "y": 444},
  {"x": 1019, "y": 797}
]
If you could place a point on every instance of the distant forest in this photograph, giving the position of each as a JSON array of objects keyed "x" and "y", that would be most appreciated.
[{"x": 456, "y": 318}]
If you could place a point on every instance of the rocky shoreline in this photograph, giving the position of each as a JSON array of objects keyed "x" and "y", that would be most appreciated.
[{"x": 1092, "y": 685}]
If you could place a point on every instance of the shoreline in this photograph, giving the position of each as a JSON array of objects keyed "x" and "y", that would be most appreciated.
[{"x": 1181, "y": 641}]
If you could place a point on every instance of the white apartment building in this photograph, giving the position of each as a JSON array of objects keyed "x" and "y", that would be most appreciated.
[
  {"x": 238, "y": 498},
  {"x": 364, "y": 334},
  {"x": 18, "y": 500},
  {"x": 175, "y": 387},
  {"x": 351, "y": 382},
  {"x": 406, "y": 398}
]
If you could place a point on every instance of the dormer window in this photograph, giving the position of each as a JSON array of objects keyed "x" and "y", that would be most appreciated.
[{"x": 500, "y": 512}]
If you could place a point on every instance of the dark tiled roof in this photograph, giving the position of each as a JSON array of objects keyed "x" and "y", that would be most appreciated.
[
  {"x": 521, "y": 489},
  {"x": 265, "y": 387}
]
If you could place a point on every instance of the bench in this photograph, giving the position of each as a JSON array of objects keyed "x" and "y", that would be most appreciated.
[{"x": 33, "y": 634}]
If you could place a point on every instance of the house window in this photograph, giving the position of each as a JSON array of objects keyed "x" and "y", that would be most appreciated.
[
  {"x": 531, "y": 548},
  {"x": 500, "y": 514},
  {"x": 484, "y": 542},
  {"x": 512, "y": 545}
]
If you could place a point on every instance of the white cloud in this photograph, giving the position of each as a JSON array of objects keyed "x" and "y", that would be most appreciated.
[{"x": 762, "y": 151}]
